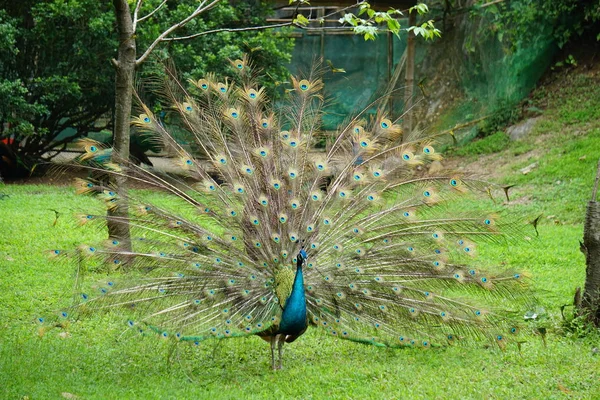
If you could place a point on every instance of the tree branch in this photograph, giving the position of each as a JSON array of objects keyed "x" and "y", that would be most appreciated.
[
  {"x": 135, "y": 13},
  {"x": 281, "y": 25},
  {"x": 199, "y": 10},
  {"x": 152, "y": 13},
  {"x": 251, "y": 28}
]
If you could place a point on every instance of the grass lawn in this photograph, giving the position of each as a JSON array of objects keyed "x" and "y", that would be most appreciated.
[{"x": 91, "y": 360}]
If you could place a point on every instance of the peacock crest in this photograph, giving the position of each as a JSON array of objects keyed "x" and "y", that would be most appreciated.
[{"x": 270, "y": 220}]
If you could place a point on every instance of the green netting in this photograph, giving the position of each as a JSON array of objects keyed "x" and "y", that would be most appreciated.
[
  {"x": 483, "y": 73},
  {"x": 367, "y": 66},
  {"x": 489, "y": 74}
]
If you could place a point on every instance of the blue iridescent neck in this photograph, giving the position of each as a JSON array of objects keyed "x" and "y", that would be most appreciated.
[{"x": 293, "y": 319}]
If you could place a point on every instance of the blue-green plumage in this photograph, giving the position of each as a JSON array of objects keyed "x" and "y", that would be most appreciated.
[{"x": 293, "y": 319}]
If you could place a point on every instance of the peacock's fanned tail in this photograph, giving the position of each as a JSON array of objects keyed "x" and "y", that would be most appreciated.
[{"x": 214, "y": 254}]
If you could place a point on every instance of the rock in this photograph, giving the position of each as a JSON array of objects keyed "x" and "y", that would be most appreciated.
[
  {"x": 528, "y": 168},
  {"x": 522, "y": 129}
]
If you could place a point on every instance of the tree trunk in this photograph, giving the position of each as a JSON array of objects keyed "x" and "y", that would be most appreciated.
[
  {"x": 118, "y": 226},
  {"x": 591, "y": 248},
  {"x": 410, "y": 76}
]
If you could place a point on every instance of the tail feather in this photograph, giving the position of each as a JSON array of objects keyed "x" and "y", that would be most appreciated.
[{"x": 388, "y": 262}]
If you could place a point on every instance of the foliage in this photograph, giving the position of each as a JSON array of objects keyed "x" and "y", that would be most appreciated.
[
  {"x": 269, "y": 50},
  {"x": 53, "y": 73},
  {"x": 369, "y": 27},
  {"x": 514, "y": 22},
  {"x": 56, "y": 72}
]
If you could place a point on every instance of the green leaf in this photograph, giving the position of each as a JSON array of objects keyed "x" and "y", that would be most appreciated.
[
  {"x": 393, "y": 25},
  {"x": 301, "y": 20},
  {"x": 420, "y": 8}
]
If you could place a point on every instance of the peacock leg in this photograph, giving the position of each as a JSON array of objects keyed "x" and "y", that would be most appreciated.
[
  {"x": 273, "y": 340},
  {"x": 280, "y": 350}
]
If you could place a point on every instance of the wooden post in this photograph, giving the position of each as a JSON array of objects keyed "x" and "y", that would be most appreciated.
[
  {"x": 321, "y": 14},
  {"x": 410, "y": 75},
  {"x": 591, "y": 248}
]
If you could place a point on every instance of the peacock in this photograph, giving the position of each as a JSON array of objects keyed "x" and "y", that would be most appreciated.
[{"x": 271, "y": 225}]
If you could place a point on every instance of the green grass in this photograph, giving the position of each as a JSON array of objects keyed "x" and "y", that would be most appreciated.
[
  {"x": 490, "y": 144},
  {"x": 95, "y": 362}
]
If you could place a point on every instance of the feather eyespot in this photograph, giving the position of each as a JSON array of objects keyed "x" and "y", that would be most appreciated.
[
  {"x": 203, "y": 84},
  {"x": 304, "y": 85}
]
